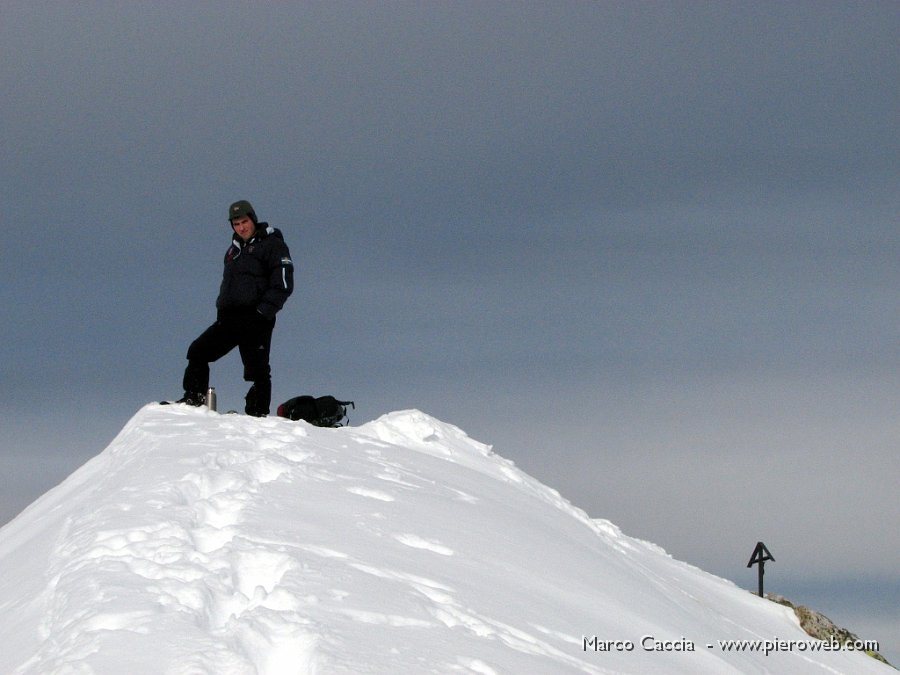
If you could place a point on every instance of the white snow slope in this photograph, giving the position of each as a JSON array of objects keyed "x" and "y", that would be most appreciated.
[{"x": 203, "y": 543}]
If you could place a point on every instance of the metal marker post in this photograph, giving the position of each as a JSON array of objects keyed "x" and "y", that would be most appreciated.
[{"x": 760, "y": 555}]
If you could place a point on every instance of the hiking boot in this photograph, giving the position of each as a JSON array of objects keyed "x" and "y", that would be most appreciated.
[
  {"x": 194, "y": 398},
  {"x": 258, "y": 398}
]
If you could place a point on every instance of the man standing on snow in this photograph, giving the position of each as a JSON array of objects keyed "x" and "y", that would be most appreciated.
[{"x": 258, "y": 278}]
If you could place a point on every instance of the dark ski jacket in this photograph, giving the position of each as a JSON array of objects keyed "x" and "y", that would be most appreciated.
[{"x": 259, "y": 274}]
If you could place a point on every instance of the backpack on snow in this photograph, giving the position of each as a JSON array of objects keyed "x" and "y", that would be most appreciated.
[{"x": 324, "y": 411}]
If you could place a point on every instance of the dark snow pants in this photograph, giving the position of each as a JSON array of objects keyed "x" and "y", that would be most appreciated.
[{"x": 251, "y": 333}]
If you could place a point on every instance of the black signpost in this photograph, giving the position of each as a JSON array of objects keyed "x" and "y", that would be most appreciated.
[{"x": 760, "y": 555}]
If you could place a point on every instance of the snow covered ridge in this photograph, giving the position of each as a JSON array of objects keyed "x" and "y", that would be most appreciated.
[{"x": 200, "y": 543}]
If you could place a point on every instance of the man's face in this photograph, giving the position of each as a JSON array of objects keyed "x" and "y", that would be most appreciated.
[{"x": 244, "y": 227}]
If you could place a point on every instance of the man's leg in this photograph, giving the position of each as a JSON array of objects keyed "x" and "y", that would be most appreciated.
[
  {"x": 214, "y": 343},
  {"x": 255, "y": 346}
]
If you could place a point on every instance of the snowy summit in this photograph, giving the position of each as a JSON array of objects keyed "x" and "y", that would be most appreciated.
[{"x": 200, "y": 543}]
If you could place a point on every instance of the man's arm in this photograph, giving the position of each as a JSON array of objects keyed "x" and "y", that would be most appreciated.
[{"x": 281, "y": 281}]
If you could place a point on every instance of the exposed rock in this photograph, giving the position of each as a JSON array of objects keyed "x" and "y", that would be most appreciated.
[{"x": 820, "y": 627}]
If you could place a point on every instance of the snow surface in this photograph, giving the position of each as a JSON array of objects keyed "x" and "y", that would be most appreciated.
[{"x": 200, "y": 543}]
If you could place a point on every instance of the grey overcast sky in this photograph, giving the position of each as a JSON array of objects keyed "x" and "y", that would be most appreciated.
[{"x": 648, "y": 250}]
